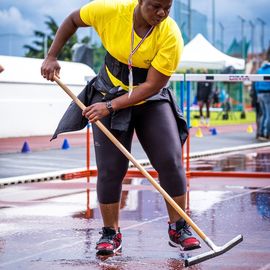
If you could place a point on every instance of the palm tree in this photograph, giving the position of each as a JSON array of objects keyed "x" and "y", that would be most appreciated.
[
  {"x": 38, "y": 50},
  {"x": 43, "y": 41}
]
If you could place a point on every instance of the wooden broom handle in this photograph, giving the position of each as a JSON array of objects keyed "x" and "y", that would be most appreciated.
[{"x": 135, "y": 162}]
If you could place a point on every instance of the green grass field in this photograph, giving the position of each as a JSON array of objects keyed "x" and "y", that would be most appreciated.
[{"x": 217, "y": 120}]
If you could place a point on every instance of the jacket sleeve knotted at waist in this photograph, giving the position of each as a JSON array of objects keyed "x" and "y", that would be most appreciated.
[{"x": 73, "y": 119}]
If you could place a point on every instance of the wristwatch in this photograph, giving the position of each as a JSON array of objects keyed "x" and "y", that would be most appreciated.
[{"x": 109, "y": 106}]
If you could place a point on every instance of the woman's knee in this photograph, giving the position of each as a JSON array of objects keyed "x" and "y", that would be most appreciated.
[
  {"x": 109, "y": 184},
  {"x": 109, "y": 194},
  {"x": 170, "y": 163},
  {"x": 174, "y": 183}
]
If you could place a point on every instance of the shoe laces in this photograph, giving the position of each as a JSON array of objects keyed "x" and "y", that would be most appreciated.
[
  {"x": 182, "y": 229},
  {"x": 107, "y": 233},
  {"x": 185, "y": 229}
]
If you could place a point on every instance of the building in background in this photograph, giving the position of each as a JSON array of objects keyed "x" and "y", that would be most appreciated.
[{"x": 180, "y": 13}]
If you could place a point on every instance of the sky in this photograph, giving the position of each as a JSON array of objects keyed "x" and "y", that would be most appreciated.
[
  {"x": 21, "y": 18},
  {"x": 227, "y": 13}
]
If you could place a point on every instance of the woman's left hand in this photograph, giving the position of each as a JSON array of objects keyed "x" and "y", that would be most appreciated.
[{"x": 95, "y": 111}]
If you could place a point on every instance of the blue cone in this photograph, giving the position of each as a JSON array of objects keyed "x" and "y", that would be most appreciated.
[
  {"x": 65, "y": 145},
  {"x": 214, "y": 131},
  {"x": 25, "y": 148}
]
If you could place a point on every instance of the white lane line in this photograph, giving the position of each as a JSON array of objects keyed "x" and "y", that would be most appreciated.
[
  {"x": 243, "y": 194},
  {"x": 36, "y": 162},
  {"x": 228, "y": 150},
  {"x": 44, "y": 157},
  {"x": 41, "y": 253},
  {"x": 143, "y": 223},
  {"x": 34, "y": 158},
  {"x": 25, "y": 167}
]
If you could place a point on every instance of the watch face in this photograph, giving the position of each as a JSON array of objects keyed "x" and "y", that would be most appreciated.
[{"x": 109, "y": 106}]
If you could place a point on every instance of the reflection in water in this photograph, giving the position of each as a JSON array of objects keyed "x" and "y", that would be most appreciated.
[
  {"x": 138, "y": 204},
  {"x": 92, "y": 211},
  {"x": 205, "y": 200},
  {"x": 106, "y": 264},
  {"x": 258, "y": 161},
  {"x": 2, "y": 245},
  {"x": 144, "y": 205},
  {"x": 141, "y": 205},
  {"x": 145, "y": 246},
  {"x": 262, "y": 201},
  {"x": 178, "y": 264},
  {"x": 88, "y": 241},
  {"x": 263, "y": 162},
  {"x": 83, "y": 214},
  {"x": 124, "y": 195},
  {"x": 111, "y": 262}
]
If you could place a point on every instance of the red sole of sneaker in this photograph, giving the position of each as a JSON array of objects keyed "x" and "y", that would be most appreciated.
[
  {"x": 191, "y": 248},
  {"x": 182, "y": 248},
  {"x": 109, "y": 252}
]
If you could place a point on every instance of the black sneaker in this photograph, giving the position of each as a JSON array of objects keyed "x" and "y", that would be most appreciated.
[
  {"x": 110, "y": 242},
  {"x": 181, "y": 236}
]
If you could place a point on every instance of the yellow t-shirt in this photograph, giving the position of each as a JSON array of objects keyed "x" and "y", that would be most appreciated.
[{"x": 113, "y": 19}]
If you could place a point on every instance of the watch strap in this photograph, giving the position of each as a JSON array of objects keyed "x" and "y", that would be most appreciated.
[{"x": 109, "y": 106}]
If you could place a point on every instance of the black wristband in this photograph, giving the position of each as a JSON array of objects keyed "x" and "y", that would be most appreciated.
[{"x": 109, "y": 106}]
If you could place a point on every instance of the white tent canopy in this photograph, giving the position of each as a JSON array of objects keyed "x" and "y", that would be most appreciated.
[
  {"x": 199, "y": 53},
  {"x": 31, "y": 105},
  {"x": 27, "y": 70}
]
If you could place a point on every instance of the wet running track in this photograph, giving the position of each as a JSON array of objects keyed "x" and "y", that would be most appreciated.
[{"x": 44, "y": 225}]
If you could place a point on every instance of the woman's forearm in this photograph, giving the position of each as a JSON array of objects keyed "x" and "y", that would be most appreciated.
[
  {"x": 140, "y": 93},
  {"x": 154, "y": 82}
]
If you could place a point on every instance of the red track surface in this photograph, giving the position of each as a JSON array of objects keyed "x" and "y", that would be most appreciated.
[
  {"x": 11, "y": 145},
  {"x": 54, "y": 225},
  {"x": 43, "y": 225}
]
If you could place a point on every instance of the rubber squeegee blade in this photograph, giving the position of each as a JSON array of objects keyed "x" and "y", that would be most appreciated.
[{"x": 214, "y": 253}]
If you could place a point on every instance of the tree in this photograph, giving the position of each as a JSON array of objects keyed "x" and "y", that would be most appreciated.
[
  {"x": 99, "y": 53},
  {"x": 43, "y": 41}
]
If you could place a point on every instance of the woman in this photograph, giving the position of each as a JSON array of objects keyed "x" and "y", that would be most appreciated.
[
  {"x": 204, "y": 96},
  {"x": 144, "y": 47},
  {"x": 263, "y": 95}
]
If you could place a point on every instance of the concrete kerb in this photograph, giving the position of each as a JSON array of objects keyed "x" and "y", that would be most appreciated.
[
  {"x": 34, "y": 178},
  {"x": 228, "y": 150}
]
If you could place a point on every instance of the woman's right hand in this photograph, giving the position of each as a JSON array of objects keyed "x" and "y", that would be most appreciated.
[{"x": 50, "y": 67}]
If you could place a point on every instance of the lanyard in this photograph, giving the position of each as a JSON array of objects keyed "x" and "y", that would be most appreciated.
[{"x": 132, "y": 52}]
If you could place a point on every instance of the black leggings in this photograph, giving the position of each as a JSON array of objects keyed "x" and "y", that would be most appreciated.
[
  {"x": 207, "y": 105},
  {"x": 157, "y": 131}
]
